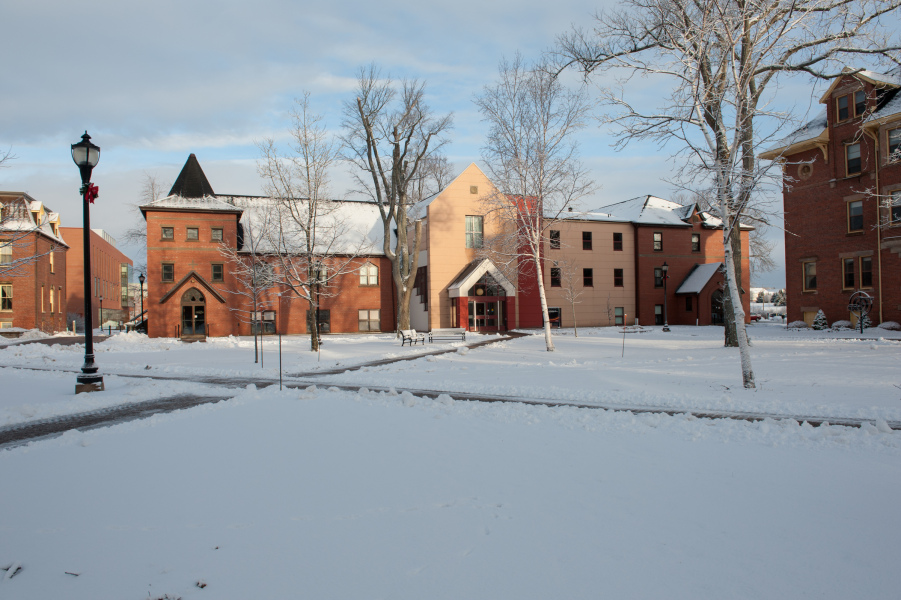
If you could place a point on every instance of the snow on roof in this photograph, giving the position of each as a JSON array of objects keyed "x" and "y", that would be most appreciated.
[
  {"x": 205, "y": 203},
  {"x": 648, "y": 210},
  {"x": 356, "y": 226},
  {"x": 22, "y": 213},
  {"x": 698, "y": 278},
  {"x": 809, "y": 131}
]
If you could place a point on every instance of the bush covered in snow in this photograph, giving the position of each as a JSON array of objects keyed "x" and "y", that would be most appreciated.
[
  {"x": 798, "y": 325},
  {"x": 820, "y": 322},
  {"x": 840, "y": 325},
  {"x": 890, "y": 325}
]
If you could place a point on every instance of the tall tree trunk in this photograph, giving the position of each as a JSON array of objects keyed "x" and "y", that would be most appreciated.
[
  {"x": 738, "y": 317},
  {"x": 730, "y": 326},
  {"x": 548, "y": 341}
]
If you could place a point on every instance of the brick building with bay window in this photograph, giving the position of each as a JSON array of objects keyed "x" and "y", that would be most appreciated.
[{"x": 842, "y": 200}]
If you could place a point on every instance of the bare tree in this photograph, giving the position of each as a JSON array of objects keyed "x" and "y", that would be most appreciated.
[
  {"x": 572, "y": 287},
  {"x": 136, "y": 235},
  {"x": 394, "y": 138},
  {"x": 719, "y": 62},
  {"x": 253, "y": 274},
  {"x": 532, "y": 157},
  {"x": 311, "y": 239}
]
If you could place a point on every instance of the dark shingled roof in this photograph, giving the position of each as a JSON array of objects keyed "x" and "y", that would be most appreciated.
[{"x": 191, "y": 182}]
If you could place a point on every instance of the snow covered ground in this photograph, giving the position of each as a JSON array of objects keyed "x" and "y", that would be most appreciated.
[{"x": 324, "y": 493}]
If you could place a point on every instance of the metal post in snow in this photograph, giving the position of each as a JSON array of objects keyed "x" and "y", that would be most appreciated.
[{"x": 624, "y": 336}]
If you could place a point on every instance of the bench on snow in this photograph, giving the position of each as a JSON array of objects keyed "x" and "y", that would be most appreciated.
[
  {"x": 410, "y": 335},
  {"x": 456, "y": 333}
]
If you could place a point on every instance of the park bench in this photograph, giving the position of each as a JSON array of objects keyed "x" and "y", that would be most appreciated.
[
  {"x": 410, "y": 335},
  {"x": 454, "y": 334}
]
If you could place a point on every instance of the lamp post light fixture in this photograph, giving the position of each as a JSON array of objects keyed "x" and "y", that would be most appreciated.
[
  {"x": 665, "y": 268},
  {"x": 86, "y": 155},
  {"x": 142, "y": 280},
  {"x": 100, "y": 314}
]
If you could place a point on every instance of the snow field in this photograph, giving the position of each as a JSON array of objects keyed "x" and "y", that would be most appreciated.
[{"x": 331, "y": 494}]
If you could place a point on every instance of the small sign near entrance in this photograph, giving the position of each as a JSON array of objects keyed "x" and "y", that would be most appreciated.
[{"x": 860, "y": 304}]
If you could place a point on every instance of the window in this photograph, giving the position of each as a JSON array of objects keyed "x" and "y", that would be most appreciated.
[
  {"x": 809, "y": 270},
  {"x": 894, "y": 144},
  {"x": 369, "y": 320},
  {"x": 586, "y": 240},
  {"x": 474, "y": 231},
  {"x": 325, "y": 322},
  {"x": 619, "y": 315},
  {"x": 866, "y": 271},
  {"x": 658, "y": 241},
  {"x": 617, "y": 278},
  {"x": 555, "y": 239},
  {"x": 844, "y": 108},
  {"x": 42, "y": 298},
  {"x": 658, "y": 314},
  {"x": 6, "y": 252},
  {"x": 193, "y": 235},
  {"x": 688, "y": 306},
  {"x": 555, "y": 277},
  {"x": 588, "y": 277},
  {"x": 51, "y": 301},
  {"x": 696, "y": 242},
  {"x": 617, "y": 242},
  {"x": 855, "y": 216},
  {"x": 6, "y": 296},
  {"x": 217, "y": 272},
  {"x": 852, "y": 158},
  {"x": 216, "y": 234},
  {"x": 168, "y": 272},
  {"x": 658, "y": 277},
  {"x": 369, "y": 274},
  {"x": 860, "y": 103},
  {"x": 52, "y": 265},
  {"x": 848, "y": 274},
  {"x": 895, "y": 215},
  {"x": 167, "y": 233}
]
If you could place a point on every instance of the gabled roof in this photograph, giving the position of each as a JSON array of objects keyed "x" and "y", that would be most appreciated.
[
  {"x": 813, "y": 134},
  {"x": 203, "y": 203},
  {"x": 892, "y": 79},
  {"x": 191, "y": 182},
  {"x": 471, "y": 274},
  {"x": 698, "y": 278},
  {"x": 429, "y": 199},
  {"x": 198, "y": 279}
]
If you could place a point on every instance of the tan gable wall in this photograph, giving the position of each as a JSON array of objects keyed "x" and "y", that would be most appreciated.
[
  {"x": 448, "y": 254},
  {"x": 592, "y": 309}
]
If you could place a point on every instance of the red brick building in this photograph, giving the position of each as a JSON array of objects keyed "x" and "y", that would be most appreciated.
[
  {"x": 32, "y": 265},
  {"x": 110, "y": 273},
  {"x": 192, "y": 286},
  {"x": 842, "y": 198}
]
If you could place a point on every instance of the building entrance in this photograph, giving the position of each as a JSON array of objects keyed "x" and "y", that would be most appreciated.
[
  {"x": 485, "y": 315},
  {"x": 193, "y": 315}
]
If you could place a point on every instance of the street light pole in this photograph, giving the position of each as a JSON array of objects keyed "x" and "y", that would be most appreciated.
[
  {"x": 142, "y": 280},
  {"x": 665, "y": 268},
  {"x": 86, "y": 155}
]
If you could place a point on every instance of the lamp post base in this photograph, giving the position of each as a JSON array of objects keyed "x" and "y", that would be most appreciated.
[
  {"x": 666, "y": 328},
  {"x": 90, "y": 386}
]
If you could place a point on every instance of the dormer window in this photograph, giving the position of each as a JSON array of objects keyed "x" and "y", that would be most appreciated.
[
  {"x": 894, "y": 144},
  {"x": 856, "y": 101}
]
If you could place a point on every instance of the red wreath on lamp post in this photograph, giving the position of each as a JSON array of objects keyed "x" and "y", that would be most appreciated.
[{"x": 91, "y": 192}]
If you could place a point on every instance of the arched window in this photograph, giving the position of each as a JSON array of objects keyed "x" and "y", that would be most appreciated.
[{"x": 369, "y": 274}]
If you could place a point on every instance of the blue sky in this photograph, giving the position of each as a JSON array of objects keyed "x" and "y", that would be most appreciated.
[{"x": 154, "y": 82}]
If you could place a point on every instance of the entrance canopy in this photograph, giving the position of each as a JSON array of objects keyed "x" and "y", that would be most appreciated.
[
  {"x": 473, "y": 274},
  {"x": 698, "y": 278}
]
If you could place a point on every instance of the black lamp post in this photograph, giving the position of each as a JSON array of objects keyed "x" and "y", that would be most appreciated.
[
  {"x": 86, "y": 155},
  {"x": 665, "y": 268},
  {"x": 142, "y": 280}
]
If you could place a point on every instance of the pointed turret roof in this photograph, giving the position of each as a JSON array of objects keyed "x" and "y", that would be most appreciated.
[{"x": 191, "y": 182}]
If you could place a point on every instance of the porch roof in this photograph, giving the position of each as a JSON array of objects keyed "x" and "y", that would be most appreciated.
[
  {"x": 472, "y": 273},
  {"x": 698, "y": 278}
]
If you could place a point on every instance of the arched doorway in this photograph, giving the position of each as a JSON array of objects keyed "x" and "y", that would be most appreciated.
[
  {"x": 716, "y": 308},
  {"x": 193, "y": 315}
]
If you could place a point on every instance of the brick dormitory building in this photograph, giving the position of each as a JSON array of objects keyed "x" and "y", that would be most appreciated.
[
  {"x": 41, "y": 279},
  {"x": 842, "y": 200},
  {"x": 613, "y": 255}
]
